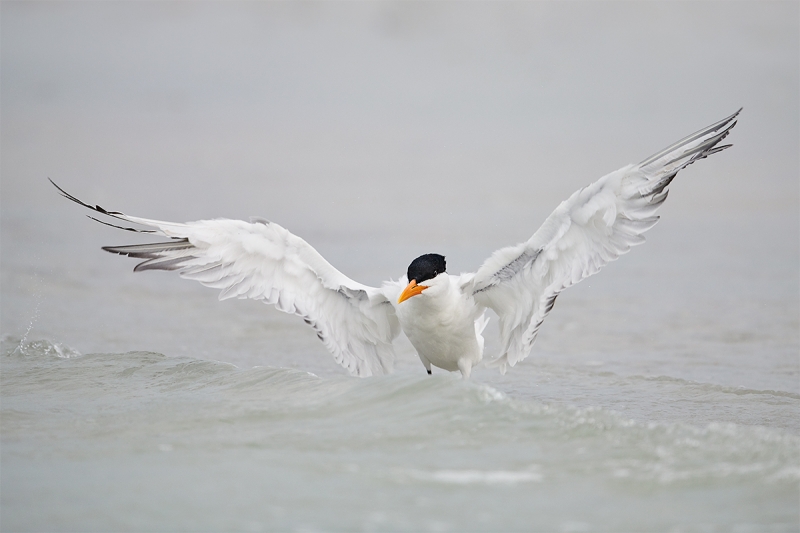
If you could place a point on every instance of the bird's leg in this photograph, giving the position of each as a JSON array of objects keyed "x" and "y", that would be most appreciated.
[
  {"x": 426, "y": 363},
  {"x": 465, "y": 367}
]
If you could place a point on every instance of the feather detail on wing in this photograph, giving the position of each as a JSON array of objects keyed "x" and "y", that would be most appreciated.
[
  {"x": 594, "y": 226},
  {"x": 264, "y": 261}
]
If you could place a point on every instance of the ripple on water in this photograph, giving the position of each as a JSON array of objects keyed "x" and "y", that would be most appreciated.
[{"x": 383, "y": 436}]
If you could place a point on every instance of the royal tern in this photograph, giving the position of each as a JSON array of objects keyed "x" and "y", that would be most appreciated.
[{"x": 442, "y": 315}]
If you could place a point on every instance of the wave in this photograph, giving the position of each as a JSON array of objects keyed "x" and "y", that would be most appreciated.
[
  {"x": 134, "y": 399},
  {"x": 13, "y": 346},
  {"x": 712, "y": 387}
]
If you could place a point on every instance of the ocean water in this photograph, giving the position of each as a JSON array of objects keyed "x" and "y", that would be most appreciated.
[
  {"x": 663, "y": 394},
  {"x": 132, "y": 441}
]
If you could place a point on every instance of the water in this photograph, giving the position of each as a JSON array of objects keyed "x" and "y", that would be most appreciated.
[
  {"x": 663, "y": 394},
  {"x": 143, "y": 437}
]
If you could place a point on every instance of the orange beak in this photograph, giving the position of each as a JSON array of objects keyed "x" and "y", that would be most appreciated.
[{"x": 411, "y": 290}]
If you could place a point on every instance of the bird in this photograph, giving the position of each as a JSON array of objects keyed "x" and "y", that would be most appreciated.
[{"x": 443, "y": 315}]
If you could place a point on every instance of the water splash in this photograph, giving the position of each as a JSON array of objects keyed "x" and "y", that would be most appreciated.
[
  {"x": 37, "y": 295},
  {"x": 38, "y": 348}
]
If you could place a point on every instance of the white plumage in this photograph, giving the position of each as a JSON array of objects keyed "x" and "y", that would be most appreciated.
[{"x": 443, "y": 318}]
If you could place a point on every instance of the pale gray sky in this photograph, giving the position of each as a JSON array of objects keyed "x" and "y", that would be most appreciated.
[{"x": 429, "y": 121}]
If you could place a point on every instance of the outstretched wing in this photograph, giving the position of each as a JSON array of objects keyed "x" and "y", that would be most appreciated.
[
  {"x": 264, "y": 261},
  {"x": 595, "y": 225}
]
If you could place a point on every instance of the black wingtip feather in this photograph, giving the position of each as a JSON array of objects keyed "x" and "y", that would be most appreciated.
[
  {"x": 723, "y": 126},
  {"x": 152, "y": 249},
  {"x": 159, "y": 263},
  {"x": 97, "y": 209},
  {"x": 121, "y": 227}
]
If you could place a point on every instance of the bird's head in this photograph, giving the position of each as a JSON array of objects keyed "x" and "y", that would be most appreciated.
[{"x": 423, "y": 268}]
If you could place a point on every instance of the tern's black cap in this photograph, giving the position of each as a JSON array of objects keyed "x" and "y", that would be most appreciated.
[{"x": 426, "y": 267}]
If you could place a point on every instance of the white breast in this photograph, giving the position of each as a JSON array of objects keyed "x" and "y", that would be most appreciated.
[{"x": 441, "y": 324}]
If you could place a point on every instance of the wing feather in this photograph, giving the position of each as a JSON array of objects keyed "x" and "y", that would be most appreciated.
[
  {"x": 594, "y": 226},
  {"x": 264, "y": 261}
]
